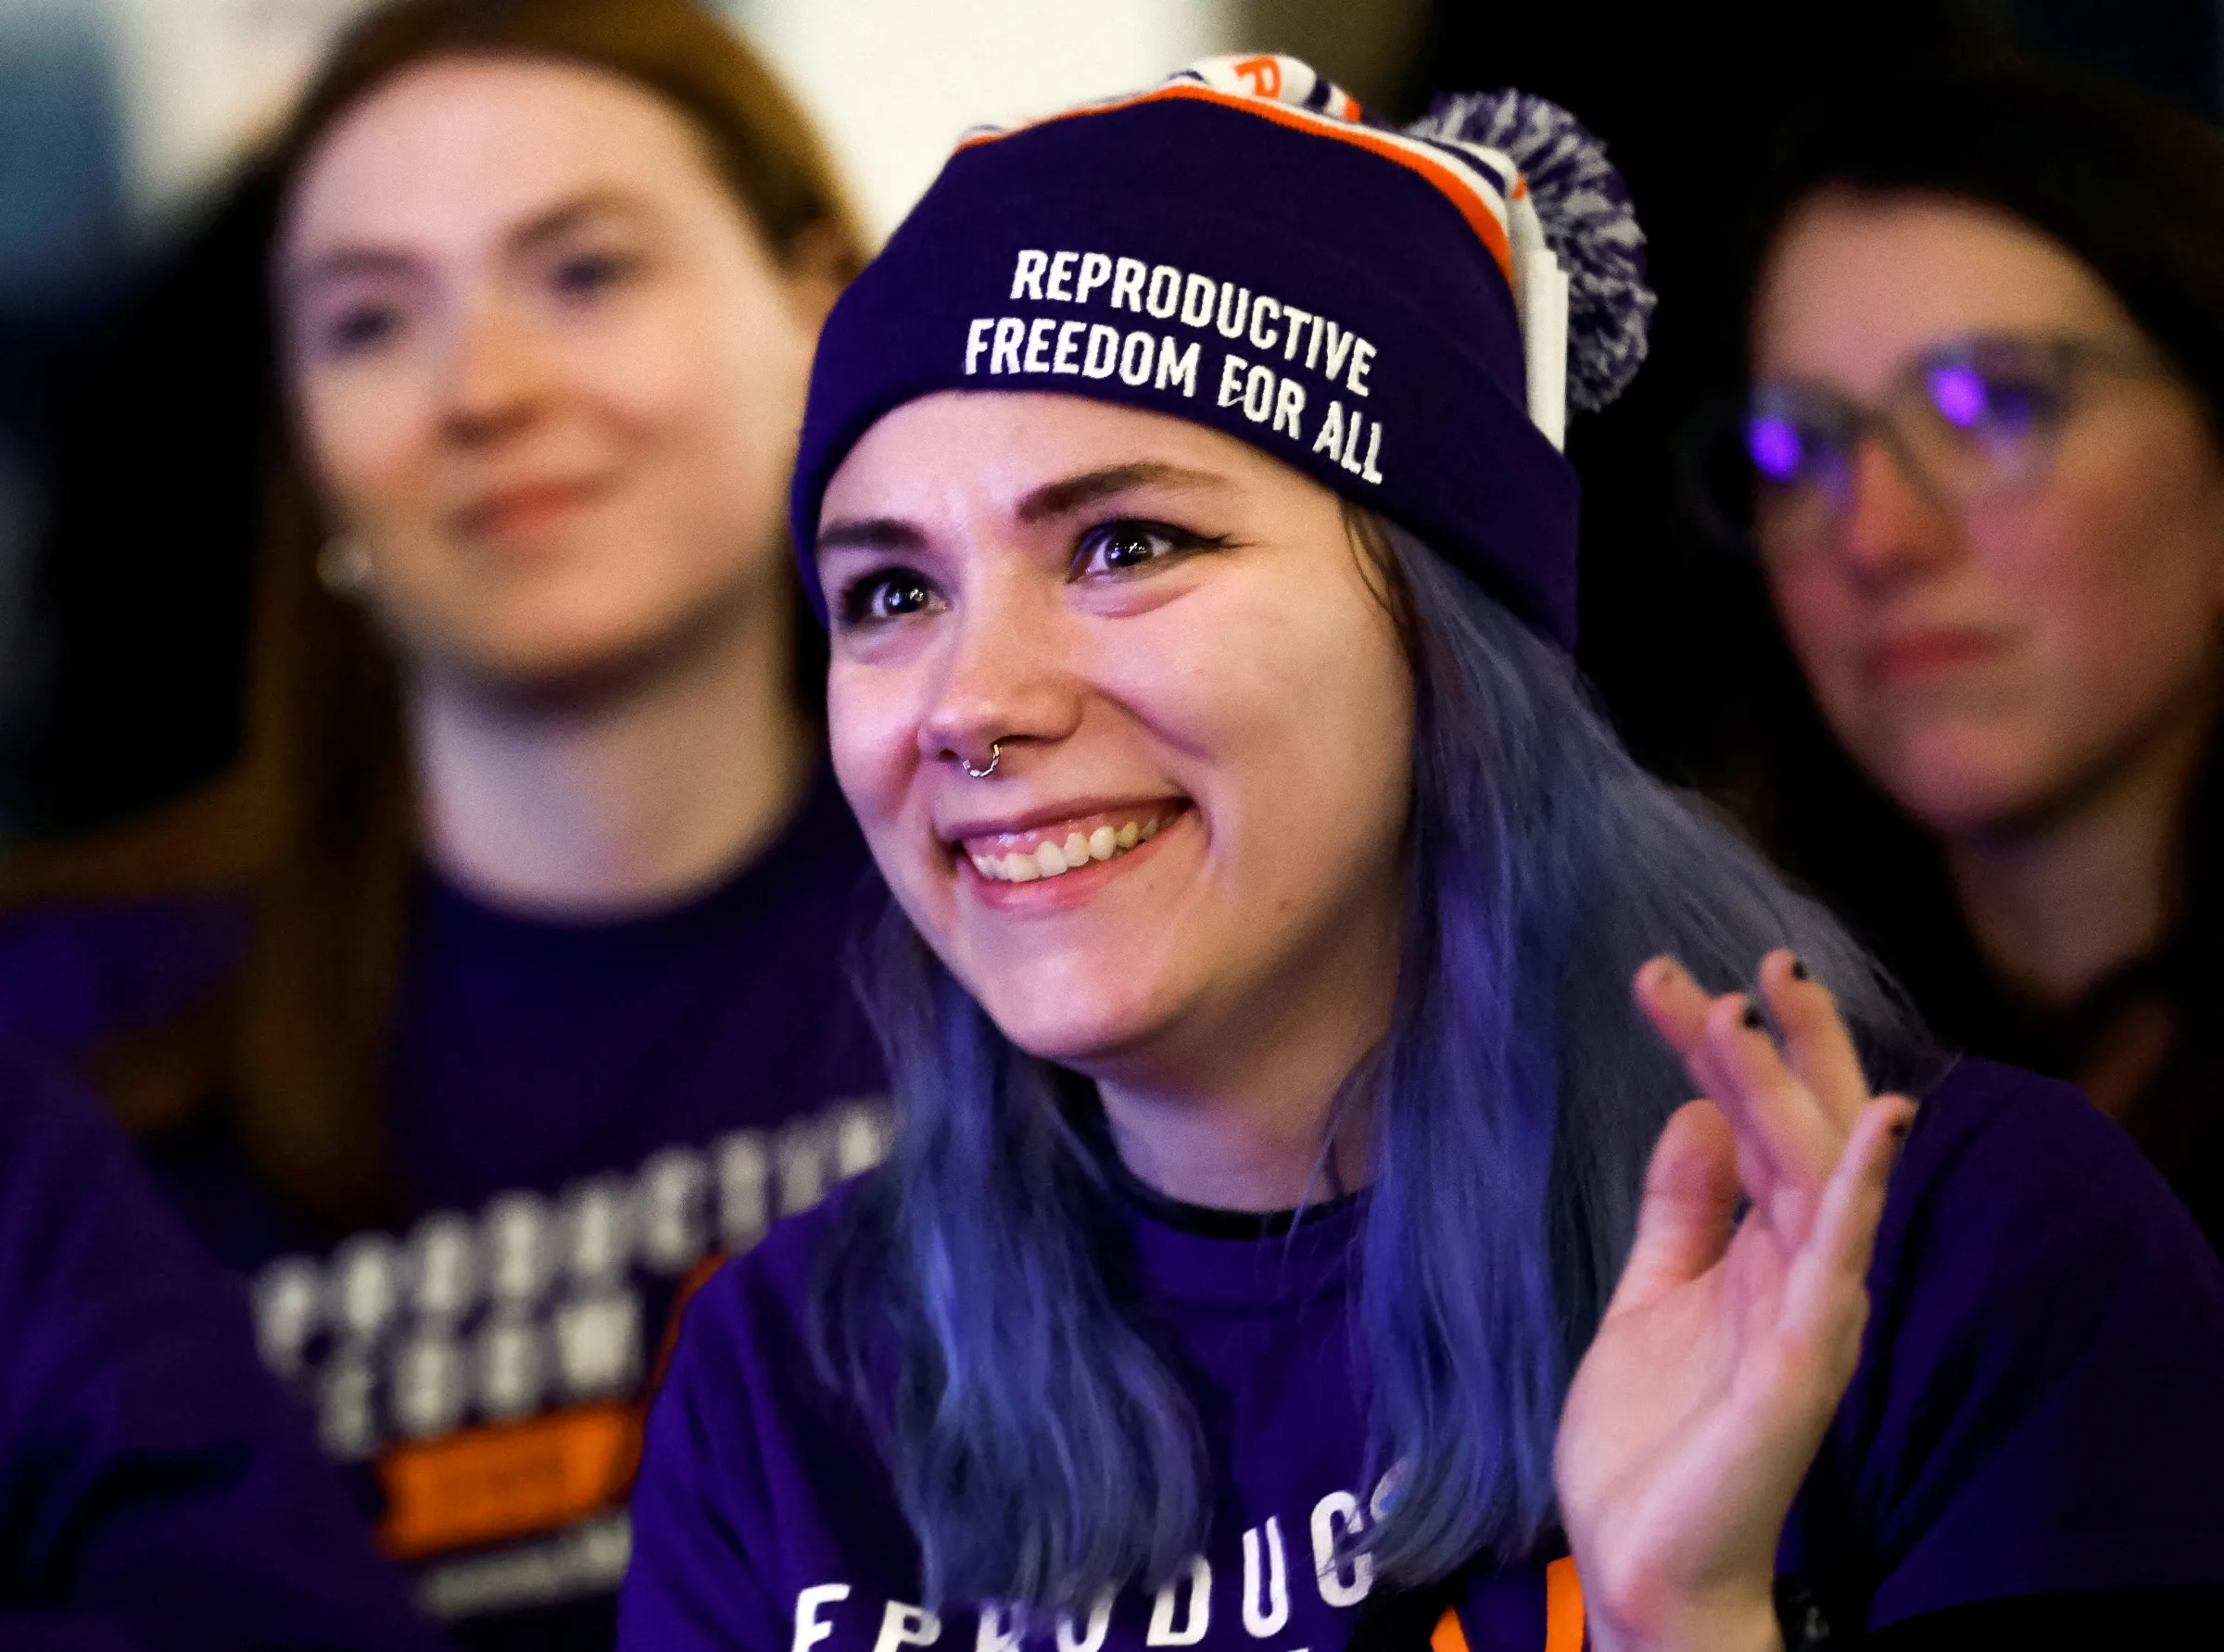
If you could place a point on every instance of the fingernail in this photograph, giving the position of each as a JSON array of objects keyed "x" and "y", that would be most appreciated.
[
  {"x": 1900, "y": 1130},
  {"x": 1799, "y": 970},
  {"x": 1754, "y": 1018}
]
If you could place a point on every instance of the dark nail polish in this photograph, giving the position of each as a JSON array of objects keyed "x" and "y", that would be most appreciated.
[
  {"x": 1900, "y": 1130},
  {"x": 1753, "y": 1017},
  {"x": 1798, "y": 971}
]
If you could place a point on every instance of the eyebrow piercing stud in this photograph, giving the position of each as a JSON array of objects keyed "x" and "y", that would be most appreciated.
[{"x": 995, "y": 757}]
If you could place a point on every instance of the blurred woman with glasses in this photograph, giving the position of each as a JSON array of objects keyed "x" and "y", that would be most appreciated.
[{"x": 1986, "y": 492}]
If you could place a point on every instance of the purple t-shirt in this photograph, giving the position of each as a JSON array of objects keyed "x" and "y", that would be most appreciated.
[
  {"x": 583, "y": 1115},
  {"x": 2041, "y": 1408},
  {"x": 159, "y": 1493}
]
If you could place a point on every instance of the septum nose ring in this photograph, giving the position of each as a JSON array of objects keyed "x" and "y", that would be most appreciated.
[{"x": 995, "y": 757}]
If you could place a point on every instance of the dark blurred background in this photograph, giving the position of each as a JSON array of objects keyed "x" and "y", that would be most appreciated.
[{"x": 134, "y": 360}]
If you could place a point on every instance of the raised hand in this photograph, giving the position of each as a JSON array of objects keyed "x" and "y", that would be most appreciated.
[{"x": 1727, "y": 1345}]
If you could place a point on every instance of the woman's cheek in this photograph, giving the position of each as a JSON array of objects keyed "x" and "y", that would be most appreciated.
[
  {"x": 1818, "y": 621},
  {"x": 365, "y": 432},
  {"x": 875, "y": 745}
]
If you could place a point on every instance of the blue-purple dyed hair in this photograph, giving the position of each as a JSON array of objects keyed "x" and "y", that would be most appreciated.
[{"x": 1041, "y": 1448}]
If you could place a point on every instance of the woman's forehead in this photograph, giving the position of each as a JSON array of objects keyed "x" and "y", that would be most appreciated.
[
  {"x": 1012, "y": 455},
  {"x": 1855, "y": 284},
  {"x": 462, "y": 146}
]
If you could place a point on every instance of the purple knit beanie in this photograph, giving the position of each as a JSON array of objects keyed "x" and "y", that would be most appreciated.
[{"x": 1404, "y": 316}]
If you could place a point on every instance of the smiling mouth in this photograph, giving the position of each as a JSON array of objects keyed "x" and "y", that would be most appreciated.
[
  {"x": 1067, "y": 846},
  {"x": 525, "y": 509}
]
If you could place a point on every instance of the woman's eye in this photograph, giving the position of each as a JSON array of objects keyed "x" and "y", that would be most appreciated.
[
  {"x": 1117, "y": 547},
  {"x": 584, "y": 274},
  {"x": 359, "y": 328},
  {"x": 890, "y": 594}
]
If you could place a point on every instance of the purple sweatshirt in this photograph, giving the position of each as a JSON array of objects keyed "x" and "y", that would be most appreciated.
[
  {"x": 2039, "y": 1408},
  {"x": 583, "y": 1115},
  {"x": 157, "y": 1489}
]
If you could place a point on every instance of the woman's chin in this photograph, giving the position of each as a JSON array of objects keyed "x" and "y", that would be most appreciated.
[
  {"x": 1957, "y": 782},
  {"x": 1073, "y": 1028}
]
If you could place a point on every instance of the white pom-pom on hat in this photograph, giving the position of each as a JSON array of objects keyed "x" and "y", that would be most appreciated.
[{"x": 1584, "y": 213}]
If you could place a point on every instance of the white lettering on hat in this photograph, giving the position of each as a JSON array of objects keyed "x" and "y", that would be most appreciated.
[
  {"x": 1233, "y": 329},
  {"x": 1178, "y": 369},
  {"x": 1259, "y": 321},
  {"x": 1010, "y": 330},
  {"x": 1104, "y": 352},
  {"x": 1166, "y": 284},
  {"x": 1330, "y": 439},
  {"x": 1339, "y": 345},
  {"x": 1135, "y": 357},
  {"x": 1038, "y": 344},
  {"x": 1061, "y": 270},
  {"x": 1069, "y": 342},
  {"x": 1197, "y": 300},
  {"x": 1259, "y": 316},
  {"x": 1126, "y": 284},
  {"x": 1232, "y": 380},
  {"x": 1259, "y": 394},
  {"x": 1361, "y": 354}
]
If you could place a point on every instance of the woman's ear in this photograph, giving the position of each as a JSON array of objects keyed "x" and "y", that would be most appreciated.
[{"x": 821, "y": 259}]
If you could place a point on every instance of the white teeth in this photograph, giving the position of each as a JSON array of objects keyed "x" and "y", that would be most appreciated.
[{"x": 1053, "y": 860}]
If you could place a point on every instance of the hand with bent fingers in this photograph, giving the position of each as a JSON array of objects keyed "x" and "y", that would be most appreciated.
[{"x": 1722, "y": 1357}]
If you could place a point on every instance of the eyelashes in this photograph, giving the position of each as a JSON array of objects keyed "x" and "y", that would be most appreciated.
[
  {"x": 884, "y": 594},
  {"x": 1130, "y": 545},
  {"x": 1120, "y": 548}
]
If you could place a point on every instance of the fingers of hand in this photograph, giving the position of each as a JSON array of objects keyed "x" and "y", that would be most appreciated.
[
  {"x": 1690, "y": 1195},
  {"x": 1824, "y": 1299},
  {"x": 1678, "y": 1007},
  {"x": 1766, "y": 1102},
  {"x": 1816, "y": 1045},
  {"x": 1674, "y": 1002},
  {"x": 1785, "y": 1132}
]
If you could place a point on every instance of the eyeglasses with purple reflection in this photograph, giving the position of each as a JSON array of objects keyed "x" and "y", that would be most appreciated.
[{"x": 1972, "y": 419}]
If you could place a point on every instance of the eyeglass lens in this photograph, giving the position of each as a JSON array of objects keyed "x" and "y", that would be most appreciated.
[{"x": 1965, "y": 423}]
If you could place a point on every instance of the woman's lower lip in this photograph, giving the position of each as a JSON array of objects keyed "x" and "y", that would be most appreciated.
[
  {"x": 1920, "y": 656},
  {"x": 528, "y": 511},
  {"x": 1068, "y": 888}
]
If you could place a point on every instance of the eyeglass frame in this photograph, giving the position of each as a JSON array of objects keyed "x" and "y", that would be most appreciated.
[{"x": 1909, "y": 386}]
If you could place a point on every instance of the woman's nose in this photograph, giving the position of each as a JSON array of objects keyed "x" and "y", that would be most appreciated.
[
  {"x": 1893, "y": 524},
  {"x": 1007, "y": 678},
  {"x": 496, "y": 377}
]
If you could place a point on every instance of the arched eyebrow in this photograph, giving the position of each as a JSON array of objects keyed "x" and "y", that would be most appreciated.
[
  {"x": 1051, "y": 500},
  {"x": 871, "y": 533}
]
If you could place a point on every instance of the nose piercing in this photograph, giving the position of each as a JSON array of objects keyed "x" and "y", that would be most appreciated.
[{"x": 995, "y": 757}]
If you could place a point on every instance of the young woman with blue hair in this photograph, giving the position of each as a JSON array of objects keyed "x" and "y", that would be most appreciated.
[{"x": 1295, "y": 1238}]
